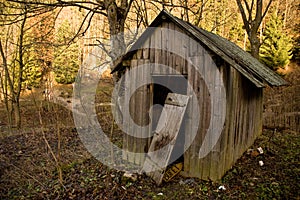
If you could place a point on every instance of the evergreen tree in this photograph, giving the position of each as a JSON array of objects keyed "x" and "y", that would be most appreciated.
[
  {"x": 32, "y": 74},
  {"x": 276, "y": 50},
  {"x": 66, "y": 62},
  {"x": 39, "y": 50}
]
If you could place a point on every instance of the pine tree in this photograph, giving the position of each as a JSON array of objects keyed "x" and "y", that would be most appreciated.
[
  {"x": 276, "y": 50},
  {"x": 66, "y": 63},
  {"x": 39, "y": 51}
]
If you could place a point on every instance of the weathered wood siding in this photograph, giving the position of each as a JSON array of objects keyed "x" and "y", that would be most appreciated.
[
  {"x": 139, "y": 107},
  {"x": 243, "y": 103},
  {"x": 242, "y": 124}
]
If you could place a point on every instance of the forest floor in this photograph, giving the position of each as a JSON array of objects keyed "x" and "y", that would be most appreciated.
[{"x": 28, "y": 169}]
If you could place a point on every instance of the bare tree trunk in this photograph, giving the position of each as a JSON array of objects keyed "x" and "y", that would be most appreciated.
[
  {"x": 255, "y": 45},
  {"x": 116, "y": 19},
  {"x": 6, "y": 86},
  {"x": 252, "y": 24},
  {"x": 17, "y": 110}
]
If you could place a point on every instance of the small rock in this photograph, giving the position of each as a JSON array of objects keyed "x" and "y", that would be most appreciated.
[
  {"x": 129, "y": 176},
  {"x": 160, "y": 194},
  {"x": 261, "y": 163},
  {"x": 222, "y": 187},
  {"x": 187, "y": 181}
]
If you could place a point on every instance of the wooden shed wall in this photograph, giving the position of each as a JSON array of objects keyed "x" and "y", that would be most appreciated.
[
  {"x": 243, "y": 123},
  {"x": 243, "y": 106}
]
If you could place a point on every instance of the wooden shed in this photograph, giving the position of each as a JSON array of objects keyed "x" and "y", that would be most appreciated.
[{"x": 225, "y": 81}]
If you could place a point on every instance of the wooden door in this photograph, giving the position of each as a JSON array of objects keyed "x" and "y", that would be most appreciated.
[{"x": 165, "y": 136}]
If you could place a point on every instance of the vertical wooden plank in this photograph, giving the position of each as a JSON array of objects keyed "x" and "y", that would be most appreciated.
[
  {"x": 158, "y": 51},
  {"x": 149, "y": 102},
  {"x": 146, "y": 48},
  {"x": 178, "y": 46},
  {"x": 152, "y": 51},
  {"x": 192, "y": 163},
  {"x": 233, "y": 119},
  {"x": 139, "y": 105},
  {"x": 204, "y": 106},
  {"x": 171, "y": 45},
  {"x": 231, "y": 96},
  {"x": 190, "y": 156},
  {"x": 126, "y": 124},
  {"x": 243, "y": 116},
  {"x": 188, "y": 139},
  {"x": 165, "y": 41},
  {"x": 193, "y": 48},
  {"x": 132, "y": 142},
  {"x": 247, "y": 117},
  {"x": 237, "y": 119},
  {"x": 138, "y": 113},
  {"x": 205, "y": 101},
  {"x": 216, "y": 114},
  {"x": 199, "y": 89},
  {"x": 194, "y": 160},
  {"x": 239, "y": 116},
  {"x": 207, "y": 73},
  {"x": 185, "y": 46},
  {"x": 224, "y": 136}
]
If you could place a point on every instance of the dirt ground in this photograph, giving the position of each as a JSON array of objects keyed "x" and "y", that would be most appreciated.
[{"x": 28, "y": 169}]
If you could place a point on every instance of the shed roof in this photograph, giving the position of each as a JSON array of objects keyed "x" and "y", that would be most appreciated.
[{"x": 242, "y": 61}]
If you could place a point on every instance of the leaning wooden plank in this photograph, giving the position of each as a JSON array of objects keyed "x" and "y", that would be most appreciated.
[{"x": 165, "y": 136}]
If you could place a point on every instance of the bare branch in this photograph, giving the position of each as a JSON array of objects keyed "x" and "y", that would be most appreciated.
[
  {"x": 244, "y": 17},
  {"x": 80, "y": 4},
  {"x": 102, "y": 46},
  {"x": 81, "y": 26},
  {"x": 247, "y": 6},
  {"x": 267, "y": 8}
]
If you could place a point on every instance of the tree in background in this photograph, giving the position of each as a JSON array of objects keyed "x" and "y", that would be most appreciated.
[
  {"x": 66, "y": 56},
  {"x": 276, "y": 50},
  {"x": 16, "y": 45},
  {"x": 39, "y": 55},
  {"x": 12, "y": 49},
  {"x": 252, "y": 15}
]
